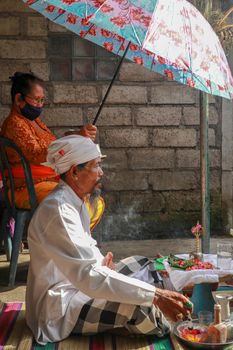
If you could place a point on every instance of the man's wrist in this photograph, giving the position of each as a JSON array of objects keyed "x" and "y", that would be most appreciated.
[{"x": 157, "y": 295}]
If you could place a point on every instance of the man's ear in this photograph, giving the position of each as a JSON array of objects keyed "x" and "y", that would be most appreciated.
[{"x": 74, "y": 171}]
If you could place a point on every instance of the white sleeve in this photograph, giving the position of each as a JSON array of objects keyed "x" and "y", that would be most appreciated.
[{"x": 73, "y": 253}]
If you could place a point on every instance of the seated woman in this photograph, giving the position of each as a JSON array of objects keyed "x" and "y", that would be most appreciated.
[{"x": 24, "y": 127}]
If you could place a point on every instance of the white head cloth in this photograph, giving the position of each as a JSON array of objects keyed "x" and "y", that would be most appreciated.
[{"x": 71, "y": 150}]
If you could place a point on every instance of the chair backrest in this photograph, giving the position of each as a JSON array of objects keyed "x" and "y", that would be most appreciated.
[{"x": 7, "y": 176}]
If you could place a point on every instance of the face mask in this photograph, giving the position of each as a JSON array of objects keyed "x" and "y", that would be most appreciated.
[{"x": 30, "y": 112}]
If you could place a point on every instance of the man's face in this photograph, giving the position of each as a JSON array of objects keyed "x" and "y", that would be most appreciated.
[{"x": 89, "y": 177}]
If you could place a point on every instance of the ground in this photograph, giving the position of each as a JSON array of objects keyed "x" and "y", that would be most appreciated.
[{"x": 120, "y": 249}]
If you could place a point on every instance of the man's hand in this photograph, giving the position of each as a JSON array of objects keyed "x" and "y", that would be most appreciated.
[
  {"x": 173, "y": 305},
  {"x": 88, "y": 130},
  {"x": 107, "y": 261}
]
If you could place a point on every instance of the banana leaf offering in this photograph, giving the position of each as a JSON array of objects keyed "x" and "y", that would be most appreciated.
[
  {"x": 189, "y": 264},
  {"x": 179, "y": 263}
]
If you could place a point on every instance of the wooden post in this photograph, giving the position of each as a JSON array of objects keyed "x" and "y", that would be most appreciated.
[{"x": 205, "y": 175}]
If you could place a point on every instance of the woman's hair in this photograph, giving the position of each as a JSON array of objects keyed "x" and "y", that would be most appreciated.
[{"x": 22, "y": 83}]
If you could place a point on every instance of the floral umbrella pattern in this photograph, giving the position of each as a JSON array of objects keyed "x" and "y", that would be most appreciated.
[{"x": 171, "y": 37}]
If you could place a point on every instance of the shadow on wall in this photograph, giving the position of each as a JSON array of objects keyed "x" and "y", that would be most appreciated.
[{"x": 127, "y": 224}]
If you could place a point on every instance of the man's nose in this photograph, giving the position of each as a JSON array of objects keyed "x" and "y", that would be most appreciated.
[{"x": 101, "y": 172}]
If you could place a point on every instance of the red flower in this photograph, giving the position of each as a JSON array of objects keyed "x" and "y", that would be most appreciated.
[
  {"x": 30, "y": 2},
  {"x": 190, "y": 82},
  {"x": 98, "y": 3},
  {"x": 92, "y": 31},
  {"x": 119, "y": 21},
  {"x": 119, "y": 38},
  {"x": 106, "y": 8},
  {"x": 106, "y": 33},
  {"x": 193, "y": 12},
  {"x": 208, "y": 83},
  {"x": 61, "y": 11},
  {"x": 184, "y": 13},
  {"x": 136, "y": 14},
  {"x": 161, "y": 60},
  {"x": 72, "y": 19},
  {"x": 133, "y": 47},
  {"x": 146, "y": 20},
  {"x": 205, "y": 66},
  {"x": 86, "y": 21},
  {"x": 50, "y": 8},
  {"x": 169, "y": 74},
  {"x": 108, "y": 46},
  {"x": 69, "y": 2},
  {"x": 138, "y": 60},
  {"x": 82, "y": 33},
  {"x": 197, "y": 230},
  {"x": 101, "y": 4},
  {"x": 221, "y": 88}
]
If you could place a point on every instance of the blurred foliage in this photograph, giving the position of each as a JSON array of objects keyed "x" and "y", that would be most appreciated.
[{"x": 221, "y": 21}]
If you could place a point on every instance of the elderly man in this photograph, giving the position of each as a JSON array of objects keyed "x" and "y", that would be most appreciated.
[{"x": 71, "y": 285}]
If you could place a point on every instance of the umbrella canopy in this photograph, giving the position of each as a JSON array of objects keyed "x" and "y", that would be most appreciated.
[{"x": 169, "y": 37}]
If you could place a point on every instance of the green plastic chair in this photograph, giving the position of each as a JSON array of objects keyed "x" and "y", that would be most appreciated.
[{"x": 21, "y": 216}]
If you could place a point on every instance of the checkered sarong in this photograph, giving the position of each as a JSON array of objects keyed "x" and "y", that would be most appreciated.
[{"x": 100, "y": 315}]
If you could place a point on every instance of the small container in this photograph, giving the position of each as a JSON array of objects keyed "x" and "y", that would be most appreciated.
[
  {"x": 218, "y": 330},
  {"x": 224, "y": 301},
  {"x": 217, "y": 314},
  {"x": 205, "y": 318},
  {"x": 224, "y": 254}
]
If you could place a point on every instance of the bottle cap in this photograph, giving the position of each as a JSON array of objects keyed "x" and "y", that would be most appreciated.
[{"x": 217, "y": 307}]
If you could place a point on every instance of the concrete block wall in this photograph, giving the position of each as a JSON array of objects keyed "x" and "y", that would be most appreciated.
[{"x": 149, "y": 130}]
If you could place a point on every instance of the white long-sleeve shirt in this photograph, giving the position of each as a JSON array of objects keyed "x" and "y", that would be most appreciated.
[{"x": 65, "y": 268}]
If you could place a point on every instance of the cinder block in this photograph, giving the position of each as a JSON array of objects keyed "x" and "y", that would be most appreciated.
[
  {"x": 151, "y": 158},
  {"x": 21, "y": 49},
  {"x": 158, "y": 116},
  {"x": 173, "y": 94},
  {"x": 73, "y": 93},
  {"x": 173, "y": 180},
  {"x": 125, "y": 137},
  {"x": 111, "y": 116},
  {"x": 127, "y": 94},
  {"x": 9, "y": 25},
  {"x": 175, "y": 137}
]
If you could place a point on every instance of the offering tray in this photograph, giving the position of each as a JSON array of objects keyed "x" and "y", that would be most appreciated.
[{"x": 193, "y": 345}]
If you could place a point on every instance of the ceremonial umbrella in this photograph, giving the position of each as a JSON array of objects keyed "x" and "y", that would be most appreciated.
[{"x": 168, "y": 37}]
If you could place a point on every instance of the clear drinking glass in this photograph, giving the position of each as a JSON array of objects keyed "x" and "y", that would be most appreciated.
[
  {"x": 205, "y": 317},
  {"x": 224, "y": 254}
]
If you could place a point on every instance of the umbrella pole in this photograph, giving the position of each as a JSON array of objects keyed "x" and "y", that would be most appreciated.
[
  {"x": 205, "y": 175},
  {"x": 110, "y": 86}
]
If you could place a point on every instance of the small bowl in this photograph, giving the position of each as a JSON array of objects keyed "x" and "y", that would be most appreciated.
[{"x": 194, "y": 345}]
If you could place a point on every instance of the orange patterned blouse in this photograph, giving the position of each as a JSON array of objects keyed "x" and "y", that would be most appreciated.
[{"x": 33, "y": 138}]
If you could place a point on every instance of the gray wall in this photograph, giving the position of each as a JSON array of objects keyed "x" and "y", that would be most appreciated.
[{"x": 149, "y": 129}]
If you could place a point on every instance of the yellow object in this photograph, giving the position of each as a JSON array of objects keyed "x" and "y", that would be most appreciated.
[{"x": 95, "y": 211}]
